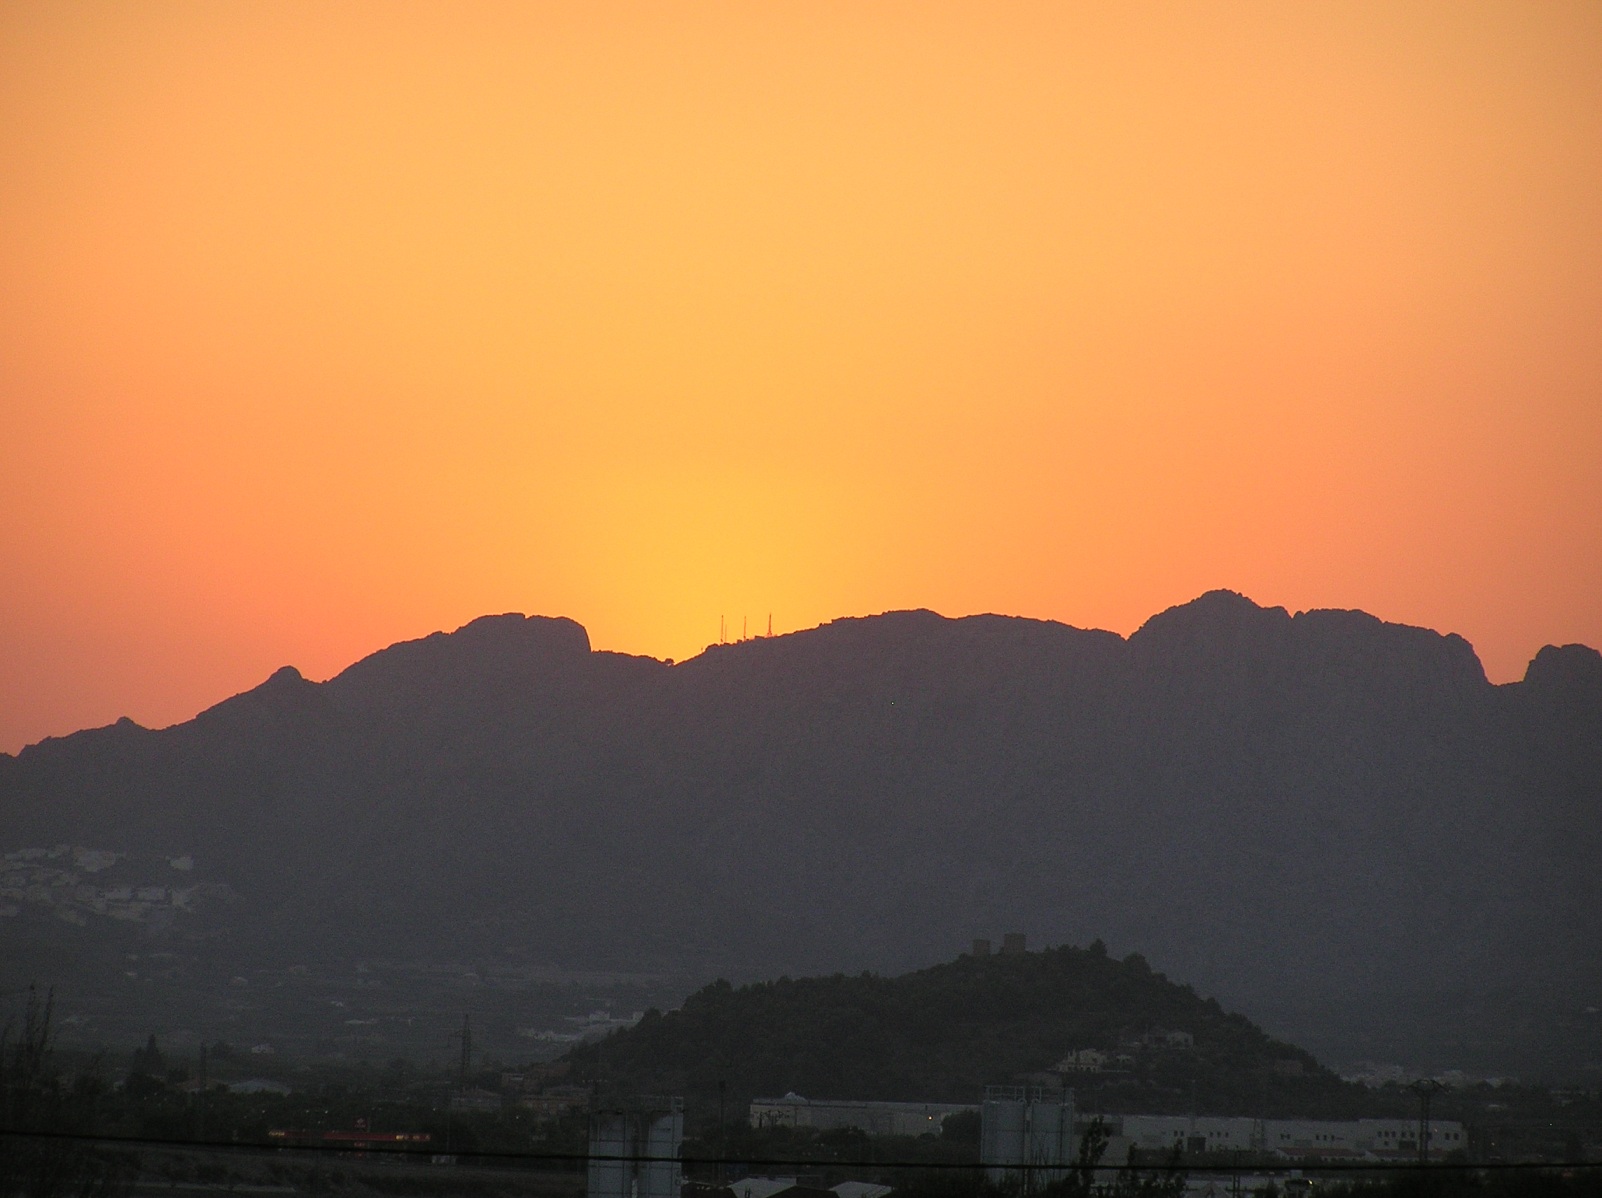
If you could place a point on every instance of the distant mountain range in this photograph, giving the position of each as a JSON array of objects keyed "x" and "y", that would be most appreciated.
[{"x": 1334, "y": 823}]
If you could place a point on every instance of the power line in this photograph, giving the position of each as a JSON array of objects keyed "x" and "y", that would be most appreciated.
[{"x": 787, "y": 1162}]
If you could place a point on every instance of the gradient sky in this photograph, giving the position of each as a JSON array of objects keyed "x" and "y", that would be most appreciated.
[{"x": 328, "y": 325}]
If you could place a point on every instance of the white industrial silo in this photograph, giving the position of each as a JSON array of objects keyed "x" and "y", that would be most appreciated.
[
  {"x": 634, "y": 1149},
  {"x": 1026, "y": 1136}
]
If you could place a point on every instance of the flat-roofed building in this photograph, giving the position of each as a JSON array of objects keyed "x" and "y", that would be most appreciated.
[
  {"x": 1330, "y": 1139},
  {"x": 875, "y": 1118}
]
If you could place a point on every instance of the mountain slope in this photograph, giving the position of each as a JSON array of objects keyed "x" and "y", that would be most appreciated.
[{"x": 1306, "y": 814}]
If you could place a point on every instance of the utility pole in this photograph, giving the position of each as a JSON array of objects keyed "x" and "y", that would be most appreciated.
[
  {"x": 723, "y": 1128},
  {"x": 465, "y": 1071},
  {"x": 1426, "y": 1088},
  {"x": 201, "y": 1130}
]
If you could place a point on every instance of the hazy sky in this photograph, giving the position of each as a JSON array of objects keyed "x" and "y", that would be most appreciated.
[{"x": 328, "y": 325}]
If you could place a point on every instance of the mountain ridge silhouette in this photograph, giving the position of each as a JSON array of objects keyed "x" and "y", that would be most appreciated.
[{"x": 1299, "y": 812}]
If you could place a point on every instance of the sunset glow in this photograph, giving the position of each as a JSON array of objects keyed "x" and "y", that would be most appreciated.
[{"x": 324, "y": 326}]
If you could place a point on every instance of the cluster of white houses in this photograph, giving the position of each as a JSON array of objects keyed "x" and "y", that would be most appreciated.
[
  {"x": 53, "y": 878},
  {"x": 1300, "y": 1139}
]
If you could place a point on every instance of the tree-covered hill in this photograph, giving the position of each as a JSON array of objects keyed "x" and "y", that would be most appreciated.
[{"x": 942, "y": 1034}]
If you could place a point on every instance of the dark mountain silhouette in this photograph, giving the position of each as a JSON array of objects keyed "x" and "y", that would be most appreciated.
[
  {"x": 1323, "y": 818},
  {"x": 944, "y": 1033}
]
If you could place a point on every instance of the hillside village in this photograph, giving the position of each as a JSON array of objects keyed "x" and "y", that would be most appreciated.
[{"x": 75, "y": 884}]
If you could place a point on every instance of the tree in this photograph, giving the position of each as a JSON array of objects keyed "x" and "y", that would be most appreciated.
[
  {"x": 1080, "y": 1180},
  {"x": 148, "y": 1060},
  {"x": 35, "y": 1106},
  {"x": 1167, "y": 1181}
]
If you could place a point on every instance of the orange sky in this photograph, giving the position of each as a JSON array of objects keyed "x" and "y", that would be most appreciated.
[{"x": 328, "y": 325}]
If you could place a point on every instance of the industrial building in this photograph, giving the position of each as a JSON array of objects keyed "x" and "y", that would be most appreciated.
[
  {"x": 634, "y": 1149},
  {"x": 1039, "y": 1129},
  {"x": 875, "y": 1118},
  {"x": 1026, "y": 1135},
  {"x": 1356, "y": 1139}
]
